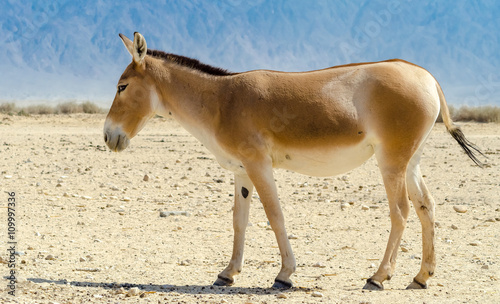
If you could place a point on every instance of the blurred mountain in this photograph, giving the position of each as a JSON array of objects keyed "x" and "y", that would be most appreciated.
[{"x": 59, "y": 50}]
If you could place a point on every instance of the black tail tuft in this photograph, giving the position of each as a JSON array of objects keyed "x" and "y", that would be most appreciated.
[{"x": 470, "y": 149}]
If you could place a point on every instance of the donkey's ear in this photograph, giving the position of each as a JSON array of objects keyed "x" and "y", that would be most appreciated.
[
  {"x": 128, "y": 44},
  {"x": 140, "y": 48}
]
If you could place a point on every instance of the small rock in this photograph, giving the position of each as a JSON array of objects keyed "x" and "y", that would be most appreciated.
[
  {"x": 454, "y": 227},
  {"x": 168, "y": 213},
  {"x": 372, "y": 265},
  {"x": 86, "y": 197},
  {"x": 440, "y": 285},
  {"x": 292, "y": 237},
  {"x": 485, "y": 267},
  {"x": 8, "y": 176},
  {"x": 365, "y": 207},
  {"x": 134, "y": 291},
  {"x": 281, "y": 296},
  {"x": 374, "y": 207},
  {"x": 319, "y": 265},
  {"x": 146, "y": 178},
  {"x": 404, "y": 248},
  {"x": 490, "y": 220},
  {"x": 317, "y": 294},
  {"x": 344, "y": 206},
  {"x": 83, "y": 260},
  {"x": 126, "y": 199},
  {"x": 50, "y": 257},
  {"x": 475, "y": 243},
  {"x": 59, "y": 185},
  {"x": 185, "y": 263},
  {"x": 97, "y": 241},
  {"x": 460, "y": 209}
]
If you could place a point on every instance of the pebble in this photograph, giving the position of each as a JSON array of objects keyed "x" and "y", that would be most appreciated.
[
  {"x": 126, "y": 199},
  {"x": 454, "y": 227},
  {"x": 485, "y": 267},
  {"x": 460, "y": 209},
  {"x": 88, "y": 269},
  {"x": 317, "y": 294},
  {"x": 281, "y": 296},
  {"x": 146, "y": 178},
  {"x": 404, "y": 248},
  {"x": 134, "y": 291},
  {"x": 490, "y": 220},
  {"x": 475, "y": 243},
  {"x": 344, "y": 206},
  {"x": 365, "y": 207},
  {"x": 83, "y": 260},
  {"x": 50, "y": 257},
  {"x": 319, "y": 265},
  {"x": 168, "y": 213},
  {"x": 292, "y": 237},
  {"x": 87, "y": 197},
  {"x": 8, "y": 176}
]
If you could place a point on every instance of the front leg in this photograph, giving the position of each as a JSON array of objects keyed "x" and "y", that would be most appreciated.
[
  {"x": 260, "y": 172},
  {"x": 242, "y": 197}
]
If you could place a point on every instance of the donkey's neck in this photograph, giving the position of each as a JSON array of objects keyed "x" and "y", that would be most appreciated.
[{"x": 194, "y": 99}]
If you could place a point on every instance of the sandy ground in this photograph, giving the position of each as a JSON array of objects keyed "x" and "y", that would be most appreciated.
[{"x": 89, "y": 226}]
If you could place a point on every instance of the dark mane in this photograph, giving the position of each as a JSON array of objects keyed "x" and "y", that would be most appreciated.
[{"x": 190, "y": 63}]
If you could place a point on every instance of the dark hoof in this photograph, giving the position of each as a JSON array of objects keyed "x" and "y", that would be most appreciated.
[
  {"x": 417, "y": 285},
  {"x": 222, "y": 281},
  {"x": 280, "y": 284},
  {"x": 373, "y": 285}
]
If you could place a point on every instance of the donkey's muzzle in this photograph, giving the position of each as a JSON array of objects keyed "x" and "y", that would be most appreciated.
[{"x": 116, "y": 140}]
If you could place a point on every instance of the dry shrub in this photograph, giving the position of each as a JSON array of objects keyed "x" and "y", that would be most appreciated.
[
  {"x": 69, "y": 108},
  {"x": 37, "y": 109},
  {"x": 8, "y": 108},
  {"x": 91, "y": 108},
  {"x": 477, "y": 114}
]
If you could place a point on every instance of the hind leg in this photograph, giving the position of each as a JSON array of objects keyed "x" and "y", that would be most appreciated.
[
  {"x": 394, "y": 175},
  {"x": 424, "y": 206}
]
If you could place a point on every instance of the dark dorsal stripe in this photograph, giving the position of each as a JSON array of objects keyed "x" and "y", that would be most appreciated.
[{"x": 190, "y": 63}]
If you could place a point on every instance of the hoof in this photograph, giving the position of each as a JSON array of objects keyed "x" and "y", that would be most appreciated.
[
  {"x": 417, "y": 285},
  {"x": 222, "y": 281},
  {"x": 280, "y": 284},
  {"x": 373, "y": 285}
]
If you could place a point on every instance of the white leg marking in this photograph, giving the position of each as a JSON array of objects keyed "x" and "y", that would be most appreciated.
[{"x": 242, "y": 196}]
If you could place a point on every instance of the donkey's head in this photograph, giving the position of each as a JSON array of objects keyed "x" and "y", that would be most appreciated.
[{"x": 135, "y": 101}]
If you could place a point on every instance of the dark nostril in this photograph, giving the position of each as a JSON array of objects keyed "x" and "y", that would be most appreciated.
[{"x": 105, "y": 137}]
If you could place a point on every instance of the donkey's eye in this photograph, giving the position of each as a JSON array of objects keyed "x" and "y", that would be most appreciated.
[{"x": 121, "y": 88}]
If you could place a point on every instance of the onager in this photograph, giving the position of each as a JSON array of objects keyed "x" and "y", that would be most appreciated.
[{"x": 320, "y": 123}]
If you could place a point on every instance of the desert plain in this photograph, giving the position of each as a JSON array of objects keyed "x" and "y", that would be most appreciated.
[{"x": 89, "y": 227}]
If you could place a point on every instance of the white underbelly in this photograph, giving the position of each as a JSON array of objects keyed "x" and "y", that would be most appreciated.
[{"x": 324, "y": 161}]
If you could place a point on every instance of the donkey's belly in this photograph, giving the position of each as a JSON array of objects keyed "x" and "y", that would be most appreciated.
[{"x": 323, "y": 161}]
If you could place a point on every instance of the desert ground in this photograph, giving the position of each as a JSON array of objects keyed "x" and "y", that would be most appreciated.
[{"x": 89, "y": 228}]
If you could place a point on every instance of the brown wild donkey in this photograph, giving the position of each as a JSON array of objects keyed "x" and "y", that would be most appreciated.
[{"x": 319, "y": 123}]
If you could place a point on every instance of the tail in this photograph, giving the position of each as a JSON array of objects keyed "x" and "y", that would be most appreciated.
[{"x": 470, "y": 149}]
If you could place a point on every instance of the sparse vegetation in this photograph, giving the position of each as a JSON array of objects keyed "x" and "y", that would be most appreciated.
[
  {"x": 71, "y": 107},
  {"x": 464, "y": 113},
  {"x": 477, "y": 114}
]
